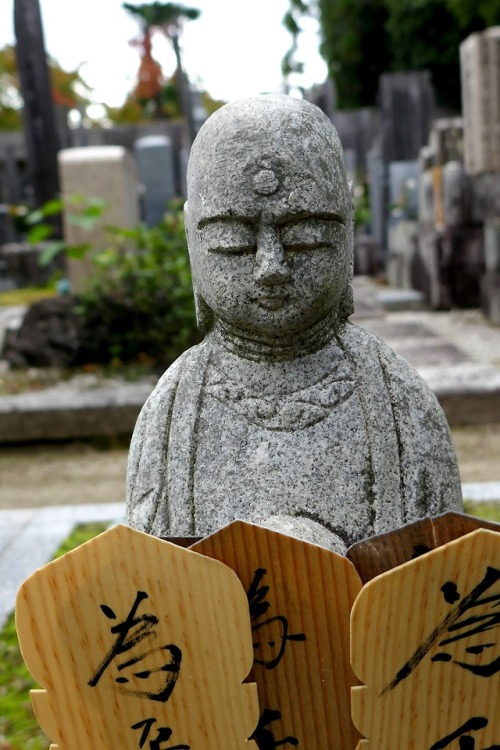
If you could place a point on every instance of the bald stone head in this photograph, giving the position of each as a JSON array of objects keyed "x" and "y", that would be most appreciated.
[{"x": 269, "y": 218}]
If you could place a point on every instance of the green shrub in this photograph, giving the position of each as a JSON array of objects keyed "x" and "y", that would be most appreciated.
[{"x": 138, "y": 303}]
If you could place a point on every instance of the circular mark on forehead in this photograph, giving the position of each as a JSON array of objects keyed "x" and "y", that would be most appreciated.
[{"x": 265, "y": 182}]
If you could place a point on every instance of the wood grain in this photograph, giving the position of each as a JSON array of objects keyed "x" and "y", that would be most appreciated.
[
  {"x": 425, "y": 643},
  {"x": 306, "y": 690},
  {"x": 114, "y": 626},
  {"x": 383, "y": 552}
]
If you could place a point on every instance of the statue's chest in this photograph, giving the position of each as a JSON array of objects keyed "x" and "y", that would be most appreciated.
[{"x": 303, "y": 453}]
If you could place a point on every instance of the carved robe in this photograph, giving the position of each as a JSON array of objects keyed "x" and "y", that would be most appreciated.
[{"x": 361, "y": 449}]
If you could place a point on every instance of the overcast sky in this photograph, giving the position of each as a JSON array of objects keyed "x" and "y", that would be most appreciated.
[{"x": 234, "y": 49}]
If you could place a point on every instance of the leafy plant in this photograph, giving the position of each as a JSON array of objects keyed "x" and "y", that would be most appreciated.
[
  {"x": 85, "y": 212},
  {"x": 138, "y": 305}
]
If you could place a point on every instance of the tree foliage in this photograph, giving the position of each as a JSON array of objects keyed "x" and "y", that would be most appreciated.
[
  {"x": 68, "y": 88},
  {"x": 162, "y": 15},
  {"x": 361, "y": 39},
  {"x": 168, "y": 18},
  {"x": 355, "y": 47},
  {"x": 10, "y": 97}
]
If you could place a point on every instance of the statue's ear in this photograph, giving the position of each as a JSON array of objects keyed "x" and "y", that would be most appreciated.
[
  {"x": 346, "y": 302},
  {"x": 186, "y": 222},
  {"x": 204, "y": 315}
]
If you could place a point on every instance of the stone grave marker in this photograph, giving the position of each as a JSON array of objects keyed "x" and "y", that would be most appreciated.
[
  {"x": 490, "y": 283},
  {"x": 480, "y": 71},
  {"x": 156, "y": 168},
  {"x": 105, "y": 172},
  {"x": 138, "y": 643},
  {"x": 377, "y": 178},
  {"x": 406, "y": 101}
]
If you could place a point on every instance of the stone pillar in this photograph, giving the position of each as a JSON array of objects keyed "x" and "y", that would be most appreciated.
[
  {"x": 480, "y": 71},
  {"x": 490, "y": 285},
  {"x": 446, "y": 140},
  {"x": 406, "y": 101},
  {"x": 376, "y": 181},
  {"x": 402, "y": 225},
  {"x": 156, "y": 169},
  {"x": 105, "y": 172}
]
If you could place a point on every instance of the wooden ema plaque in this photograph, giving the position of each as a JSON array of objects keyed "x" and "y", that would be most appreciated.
[
  {"x": 300, "y": 598},
  {"x": 425, "y": 641},
  {"x": 382, "y": 552},
  {"x": 138, "y": 644}
]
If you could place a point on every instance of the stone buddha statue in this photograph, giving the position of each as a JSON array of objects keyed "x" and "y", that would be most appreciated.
[{"x": 286, "y": 414}]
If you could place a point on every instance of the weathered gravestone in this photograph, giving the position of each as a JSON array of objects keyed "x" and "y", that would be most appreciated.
[
  {"x": 406, "y": 101},
  {"x": 480, "y": 71},
  {"x": 105, "y": 172},
  {"x": 286, "y": 415},
  {"x": 156, "y": 167},
  {"x": 491, "y": 279},
  {"x": 402, "y": 224},
  {"x": 480, "y": 68}
]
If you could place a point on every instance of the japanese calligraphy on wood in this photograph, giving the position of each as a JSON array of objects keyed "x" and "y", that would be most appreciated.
[
  {"x": 300, "y": 598},
  {"x": 138, "y": 644},
  {"x": 425, "y": 641}
]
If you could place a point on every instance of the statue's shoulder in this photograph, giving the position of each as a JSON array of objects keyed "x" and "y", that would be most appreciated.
[
  {"x": 155, "y": 414},
  {"x": 378, "y": 366},
  {"x": 426, "y": 454},
  {"x": 399, "y": 375},
  {"x": 188, "y": 362}
]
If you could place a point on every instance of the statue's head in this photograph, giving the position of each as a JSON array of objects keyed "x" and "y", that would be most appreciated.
[{"x": 269, "y": 218}]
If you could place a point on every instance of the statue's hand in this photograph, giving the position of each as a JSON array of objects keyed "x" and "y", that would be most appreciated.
[{"x": 306, "y": 530}]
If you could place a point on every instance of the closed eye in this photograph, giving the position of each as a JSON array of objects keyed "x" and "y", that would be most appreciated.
[
  {"x": 232, "y": 249},
  {"x": 228, "y": 236},
  {"x": 297, "y": 247},
  {"x": 310, "y": 234}
]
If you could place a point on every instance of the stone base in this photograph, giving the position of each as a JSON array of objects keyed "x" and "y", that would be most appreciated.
[{"x": 68, "y": 412}]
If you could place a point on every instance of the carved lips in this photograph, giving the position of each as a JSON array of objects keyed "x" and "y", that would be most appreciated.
[{"x": 271, "y": 301}]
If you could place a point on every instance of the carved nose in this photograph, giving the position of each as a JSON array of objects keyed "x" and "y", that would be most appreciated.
[{"x": 270, "y": 262}]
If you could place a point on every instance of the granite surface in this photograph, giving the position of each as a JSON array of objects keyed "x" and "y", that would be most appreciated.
[{"x": 286, "y": 415}]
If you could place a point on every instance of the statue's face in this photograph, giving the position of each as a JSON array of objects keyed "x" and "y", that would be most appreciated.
[{"x": 267, "y": 240}]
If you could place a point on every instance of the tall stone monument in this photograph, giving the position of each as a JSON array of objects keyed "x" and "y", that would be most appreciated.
[
  {"x": 286, "y": 415},
  {"x": 155, "y": 161},
  {"x": 105, "y": 172},
  {"x": 480, "y": 73},
  {"x": 406, "y": 102}
]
